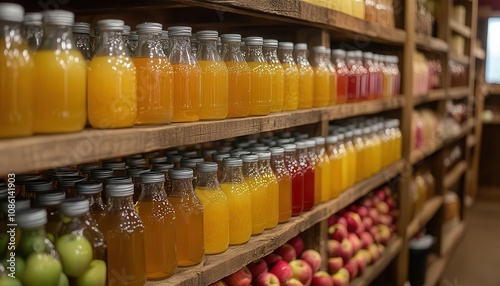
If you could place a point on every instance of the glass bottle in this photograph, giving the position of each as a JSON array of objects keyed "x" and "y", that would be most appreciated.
[
  {"x": 91, "y": 190},
  {"x": 380, "y": 77},
  {"x": 321, "y": 77},
  {"x": 133, "y": 42},
  {"x": 126, "y": 39},
  {"x": 164, "y": 168},
  {"x": 174, "y": 159},
  {"x": 214, "y": 77},
  {"x": 270, "y": 50},
  {"x": 81, "y": 32},
  {"x": 137, "y": 163},
  {"x": 60, "y": 78},
  {"x": 335, "y": 156},
  {"x": 215, "y": 208},
  {"x": 388, "y": 76},
  {"x": 189, "y": 217},
  {"x": 271, "y": 183},
  {"x": 50, "y": 201},
  {"x": 377, "y": 145},
  {"x": 135, "y": 175},
  {"x": 342, "y": 75},
  {"x": 119, "y": 168},
  {"x": 239, "y": 198},
  {"x": 260, "y": 77},
  {"x": 187, "y": 76},
  {"x": 35, "y": 187},
  {"x": 258, "y": 190},
  {"x": 363, "y": 95},
  {"x": 218, "y": 158},
  {"x": 32, "y": 30},
  {"x": 361, "y": 155},
  {"x": 67, "y": 185},
  {"x": 124, "y": 230},
  {"x": 307, "y": 166},
  {"x": 238, "y": 77},
  {"x": 291, "y": 76},
  {"x": 158, "y": 217},
  {"x": 194, "y": 46},
  {"x": 112, "y": 73},
  {"x": 358, "y": 9},
  {"x": 17, "y": 75},
  {"x": 306, "y": 77},
  {"x": 165, "y": 42},
  {"x": 154, "y": 77},
  {"x": 346, "y": 161},
  {"x": 371, "y": 11},
  {"x": 372, "y": 74},
  {"x": 397, "y": 76},
  {"x": 323, "y": 166},
  {"x": 370, "y": 152},
  {"x": 79, "y": 235},
  {"x": 382, "y": 13},
  {"x": 352, "y": 156},
  {"x": 297, "y": 176},
  {"x": 284, "y": 183},
  {"x": 355, "y": 73},
  {"x": 315, "y": 161},
  {"x": 333, "y": 77}
]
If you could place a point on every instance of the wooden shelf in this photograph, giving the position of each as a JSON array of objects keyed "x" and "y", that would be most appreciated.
[
  {"x": 437, "y": 265},
  {"x": 215, "y": 267},
  {"x": 458, "y": 92},
  {"x": 479, "y": 53},
  {"x": 433, "y": 95},
  {"x": 430, "y": 43},
  {"x": 423, "y": 217},
  {"x": 462, "y": 59},
  {"x": 454, "y": 175},
  {"x": 373, "y": 271},
  {"x": 364, "y": 108},
  {"x": 460, "y": 28},
  {"x": 471, "y": 141}
]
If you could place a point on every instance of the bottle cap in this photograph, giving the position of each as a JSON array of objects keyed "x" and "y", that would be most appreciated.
[
  {"x": 190, "y": 154},
  {"x": 238, "y": 153},
  {"x": 290, "y": 147},
  {"x": 31, "y": 218},
  {"x": 368, "y": 55},
  {"x": 249, "y": 158},
  {"x": 180, "y": 173},
  {"x": 358, "y": 132},
  {"x": 179, "y": 31},
  {"x": 152, "y": 177},
  {"x": 175, "y": 158},
  {"x": 114, "y": 165},
  {"x": 120, "y": 189},
  {"x": 162, "y": 167},
  {"x": 60, "y": 174},
  {"x": 341, "y": 136},
  {"x": 111, "y": 25},
  {"x": 207, "y": 35},
  {"x": 319, "y": 49},
  {"x": 285, "y": 45},
  {"x": 301, "y": 46},
  {"x": 209, "y": 152},
  {"x": 98, "y": 174},
  {"x": 59, "y": 17},
  {"x": 367, "y": 130},
  {"x": 33, "y": 19},
  {"x": 191, "y": 162},
  {"x": 164, "y": 35},
  {"x": 70, "y": 182},
  {"x": 160, "y": 159},
  {"x": 134, "y": 163},
  {"x": 276, "y": 151},
  {"x": 332, "y": 139},
  {"x": 348, "y": 133},
  {"x": 88, "y": 188},
  {"x": 283, "y": 141},
  {"x": 254, "y": 41},
  {"x": 339, "y": 53},
  {"x": 310, "y": 143},
  {"x": 232, "y": 162},
  {"x": 11, "y": 12},
  {"x": 219, "y": 156},
  {"x": 300, "y": 145},
  {"x": 270, "y": 43},
  {"x": 74, "y": 206},
  {"x": 148, "y": 27},
  {"x": 134, "y": 36},
  {"x": 19, "y": 205},
  {"x": 358, "y": 54},
  {"x": 38, "y": 186},
  {"x": 230, "y": 37},
  {"x": 118, "y": 180},
  {"x": 45, "y": 199},
  {"x": 126, "y": 30},
  {"x": 87, "y": 168},
  {"x": 207, "y": 167},
  {"x": 264, "y": 155},
  {"x": 351, "y": 54},
  {"x": 22, "y": 179},
  {"x": 171, "y": 152},
  {"x": 259, "y": 148},
  {"x": 320, "y": 140}
]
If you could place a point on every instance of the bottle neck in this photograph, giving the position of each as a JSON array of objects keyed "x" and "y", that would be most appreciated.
[
  {"x": 149, "y": 46},
  {"x": 271, "y": 54},
  {"x": 286, "y": 56},
  {"x": 265, "y": 166},
  {"x": 250, "y": 169},
  {"x": 207, "y": 180},
  {"x": 232, "y": 52},
  {"x": 254, "y": 54},
  {"x": 207, "y": 51},
  {"x": 111, "y": 44},
  {"x": 120, "y": 203},
  {"x": 154, "y": 192},
  {"x": 83, "y": 44},
  {"x": 36, "y": 231},
  {"x": 57, "y": 38},
  {"x": 181, "y": 187},
  {"x": 94, "y": 199},
  {"x": 9, "y": 30},
  {"x": 278, "y": 162},
  {"x": 232, "y": 175},
  {"x": 181, "y": 50}
]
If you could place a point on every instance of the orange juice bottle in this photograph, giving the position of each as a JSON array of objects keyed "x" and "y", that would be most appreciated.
[
  {"x": 385, "y": 139},
  {"x": 239, "y": 76},
  {"x": 60, "y": 78},
  {"x": 214, "y": 77},
  {"x": 218, "y": 157},
  {"x": 377, "y": 145},
  {"x": 261, "y": 87},
  {"x": 154, "y": 77},
  {"x": 123, "y": 229},
  {"x": 112, "y": 91},
  {"x": 314, "y": 160},
  {"x": 291, "y": 76},
  {"x": 158, "y": 217},
  {"x": 324, "y": 166},
  {"x": 321, "y": 95},
  {"x": 333, "y": 77},
  {"x": 239, "y": 198},
  {"x": 188, "y": 217},
  {"x": 284, "y": 183},
  {"x": 215, "y": 208},
  {"x": 16, "y": 75},
  {"x": 336, "y": 156},
  {"x": 32, "y": 30},
  {"x": 270, "y": 50},
  {"x": 361, "y": 155},
  {"x": 370, "y": 159},
  {"x": 272, "y": 186},
  {"x": 358, "y": 9},
  {"x": 187, "y": 76},
  {"x": 351, "y": 158},
  {"x": 306, "y": 76},
  {"x": 258, "y": 190}
]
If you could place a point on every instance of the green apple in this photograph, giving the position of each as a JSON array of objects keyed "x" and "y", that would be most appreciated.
[
  {"x": 20, "y": 265},
  {"x": 41, "y": 269},
  {"x": 76, "y": 253},
  {"x": 95, "y": 275},
  {"x": 63, "y": 280},
  {"x": 30, "y": 244},
  {"x": 7, "y": 281}
]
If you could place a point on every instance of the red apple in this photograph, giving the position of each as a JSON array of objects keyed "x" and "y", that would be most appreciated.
[
  {"x": 219, "y": 283},
  {"x": 367, "y": 202},
  {"x": 302, "y": 271},
  {"x": 337, "y": 219},
  {"x": 333, "y": 248},
  {"x": 383, "y": 208},
  {"x": 271, "y": 259},
  {"x": 313, "y": 258},
  {"x": 341, "y": 278},
  {"x": 257, "y": 267},
  {"x": 362, "y": 211},
  {"x": 381, "y": 194},
  {"x": 391, "y": 203},
  {"x": 283, "y": 271},
  {"x": 373, "y": 214},
  {"x": 352, "y": 267},
  {"x": 321, "y": 278},
  {"x": 375, "y": 234},
  {"x": 337, "y": 232},
  {"x": 360, "y": 229},
  {"x": 366, "y": 255},
  {"x": 366, "y": 239},
  {"x": 287, "y": 252},
  {"x": 334, "y": 264},
  {"x": 297, "y": 243},
  {"x": 294, "y": 282},
  {"x": 353, "y": 221},
  {"x": 356, "y": 243},
  {"x": 381, "y": 248},
  {"x": 360, "y": 259},
  {"x": 346, "y": 250},
  {"x": 374, "y": 252},
  {"x": 385, "y": 219},
  {"x": 242, "y": 277},
  {"x": 367, "y": 222},
  {"x": 392, "y": 228},
  {"x": 385, "y": 233},
  {"x": 266, "y": 279}
]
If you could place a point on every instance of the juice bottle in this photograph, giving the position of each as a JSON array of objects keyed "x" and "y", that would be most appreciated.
[
  {"x": 363, "y": 72},
  {"x": 239, "y": 198},
  {"x": 154, "y": 77},
  {"x": 307, "y": 166},
  {"x": 91, "y": 190},
  {"x": 124, "y": 234},
  {"x": 284, "y": 182},
  {"x": 351, "y": 157},
  {"x": 291, "y": 76},
  {"x": 261, "y": 88},
  {"x": 133, "y": 42},
  {"x": 215, "y": 209},
  {"x": 272, "y": 186},
  {"x": 361, "y": 155},
  {"x": 398, "y": 138},
  {"x": 346, "y": 7},
  {"x": 51, "y": 201},
  {"x": 81, "y": 32},
  {"x": 370, "y": 156},
  {"x": 321, "y": 96},
  {"x": 270, "y": 50},
  {"x": 358, "y": 9},
  {"x": 372, "y": 74},
  {"x": 218, "y": 158},
  {"x": 112, "y": 91},
  {"x": 16, "y": 75},
  {"x": 306, "y": 77},
  {"x": 333, "y": 77},
  {"x": 297, "y": 177},
  {"x": 354, "y": 83},
  {"x": 315, "y": 161},
  {"x": 188, "y": 218},
  {"x": 258, "y": 190},
  {"x": 60, "y": 78},
  {"x": 336, "y": 156},
  {"x": 158, "y": 217},
  {"x": 388, "y": 77},
  {"x": 323, "y": 166},
  {"x": 32, "y": 30},
  {"x": 379, "y": 77},
  {"x": 238, "y": 75},
  {"x": 377, "y": 144},
  {"x": 187, "y": 76},
  {"x": 165, "y": 43},
  {"x": 214, "y": 77},
  {"x": 396, "y": 75},
  {"x": 342, "y": 75}
]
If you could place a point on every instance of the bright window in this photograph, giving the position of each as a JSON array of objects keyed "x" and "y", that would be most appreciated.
[{"x": 493, "y": 51}]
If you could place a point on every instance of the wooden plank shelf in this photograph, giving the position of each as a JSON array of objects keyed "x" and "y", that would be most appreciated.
[
  {"x": 364, "y": 108},
  {"x": 454, "y": 175},
  {"x": 424, "y": 216},
  {"x": 462, "y": 59},
  {"x": 373, "y": 271},
  {"x": 459, "y": 28},
  {"x": 437, "y": 265},
  {"x": 458, "y": 92},
  {"x": 215, "y": 267},
  {"x": 433, "y": 95},
  {"x": 430, "y": 43},
  {"x": 471, "y": 141}
]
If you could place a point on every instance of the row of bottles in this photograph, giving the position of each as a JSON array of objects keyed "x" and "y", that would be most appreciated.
[
  {"x": 426, "y": 74},
  {"x": 109, "y": 89}
]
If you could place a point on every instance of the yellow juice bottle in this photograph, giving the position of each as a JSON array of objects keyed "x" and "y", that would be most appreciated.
[
  {"x": 358, "y": 9},
  {"x": 272, "y": 186},
  {"x": 333, "y": 77},
  {"x": 325, "y": 168},
  {"x": 336, "y": 158},
  {"x": 351, "y": 157},
  {"x": 377, "y": 143},
  {"x": 370, "y": 150},
  {"x": 16, "y": 78},
  {"x": 306, "y": 77},
  {"x": 259, "y": 192},
  {"x": 270, "y": 50},
  {"x": 261, "y": 88},
  {"x": 291, "y": 76},
  {"x": 385, "y": 141},
  {"x": 284, "y": 182},
  {"x": 341, "y": 147},
  {"x": 321, "y": 95},
  {"x": 361, "y": 155}
]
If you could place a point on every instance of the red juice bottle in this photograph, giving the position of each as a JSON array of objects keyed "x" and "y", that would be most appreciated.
[
  {"x": 363, "y": 84},
  {"x": 342, "y": 74},
  {"x": 354, "y": 78},
  {"x": 297, "y": 175},
  {"x": 372, "y": 74},
  {"x": 307, "y": 167}
]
